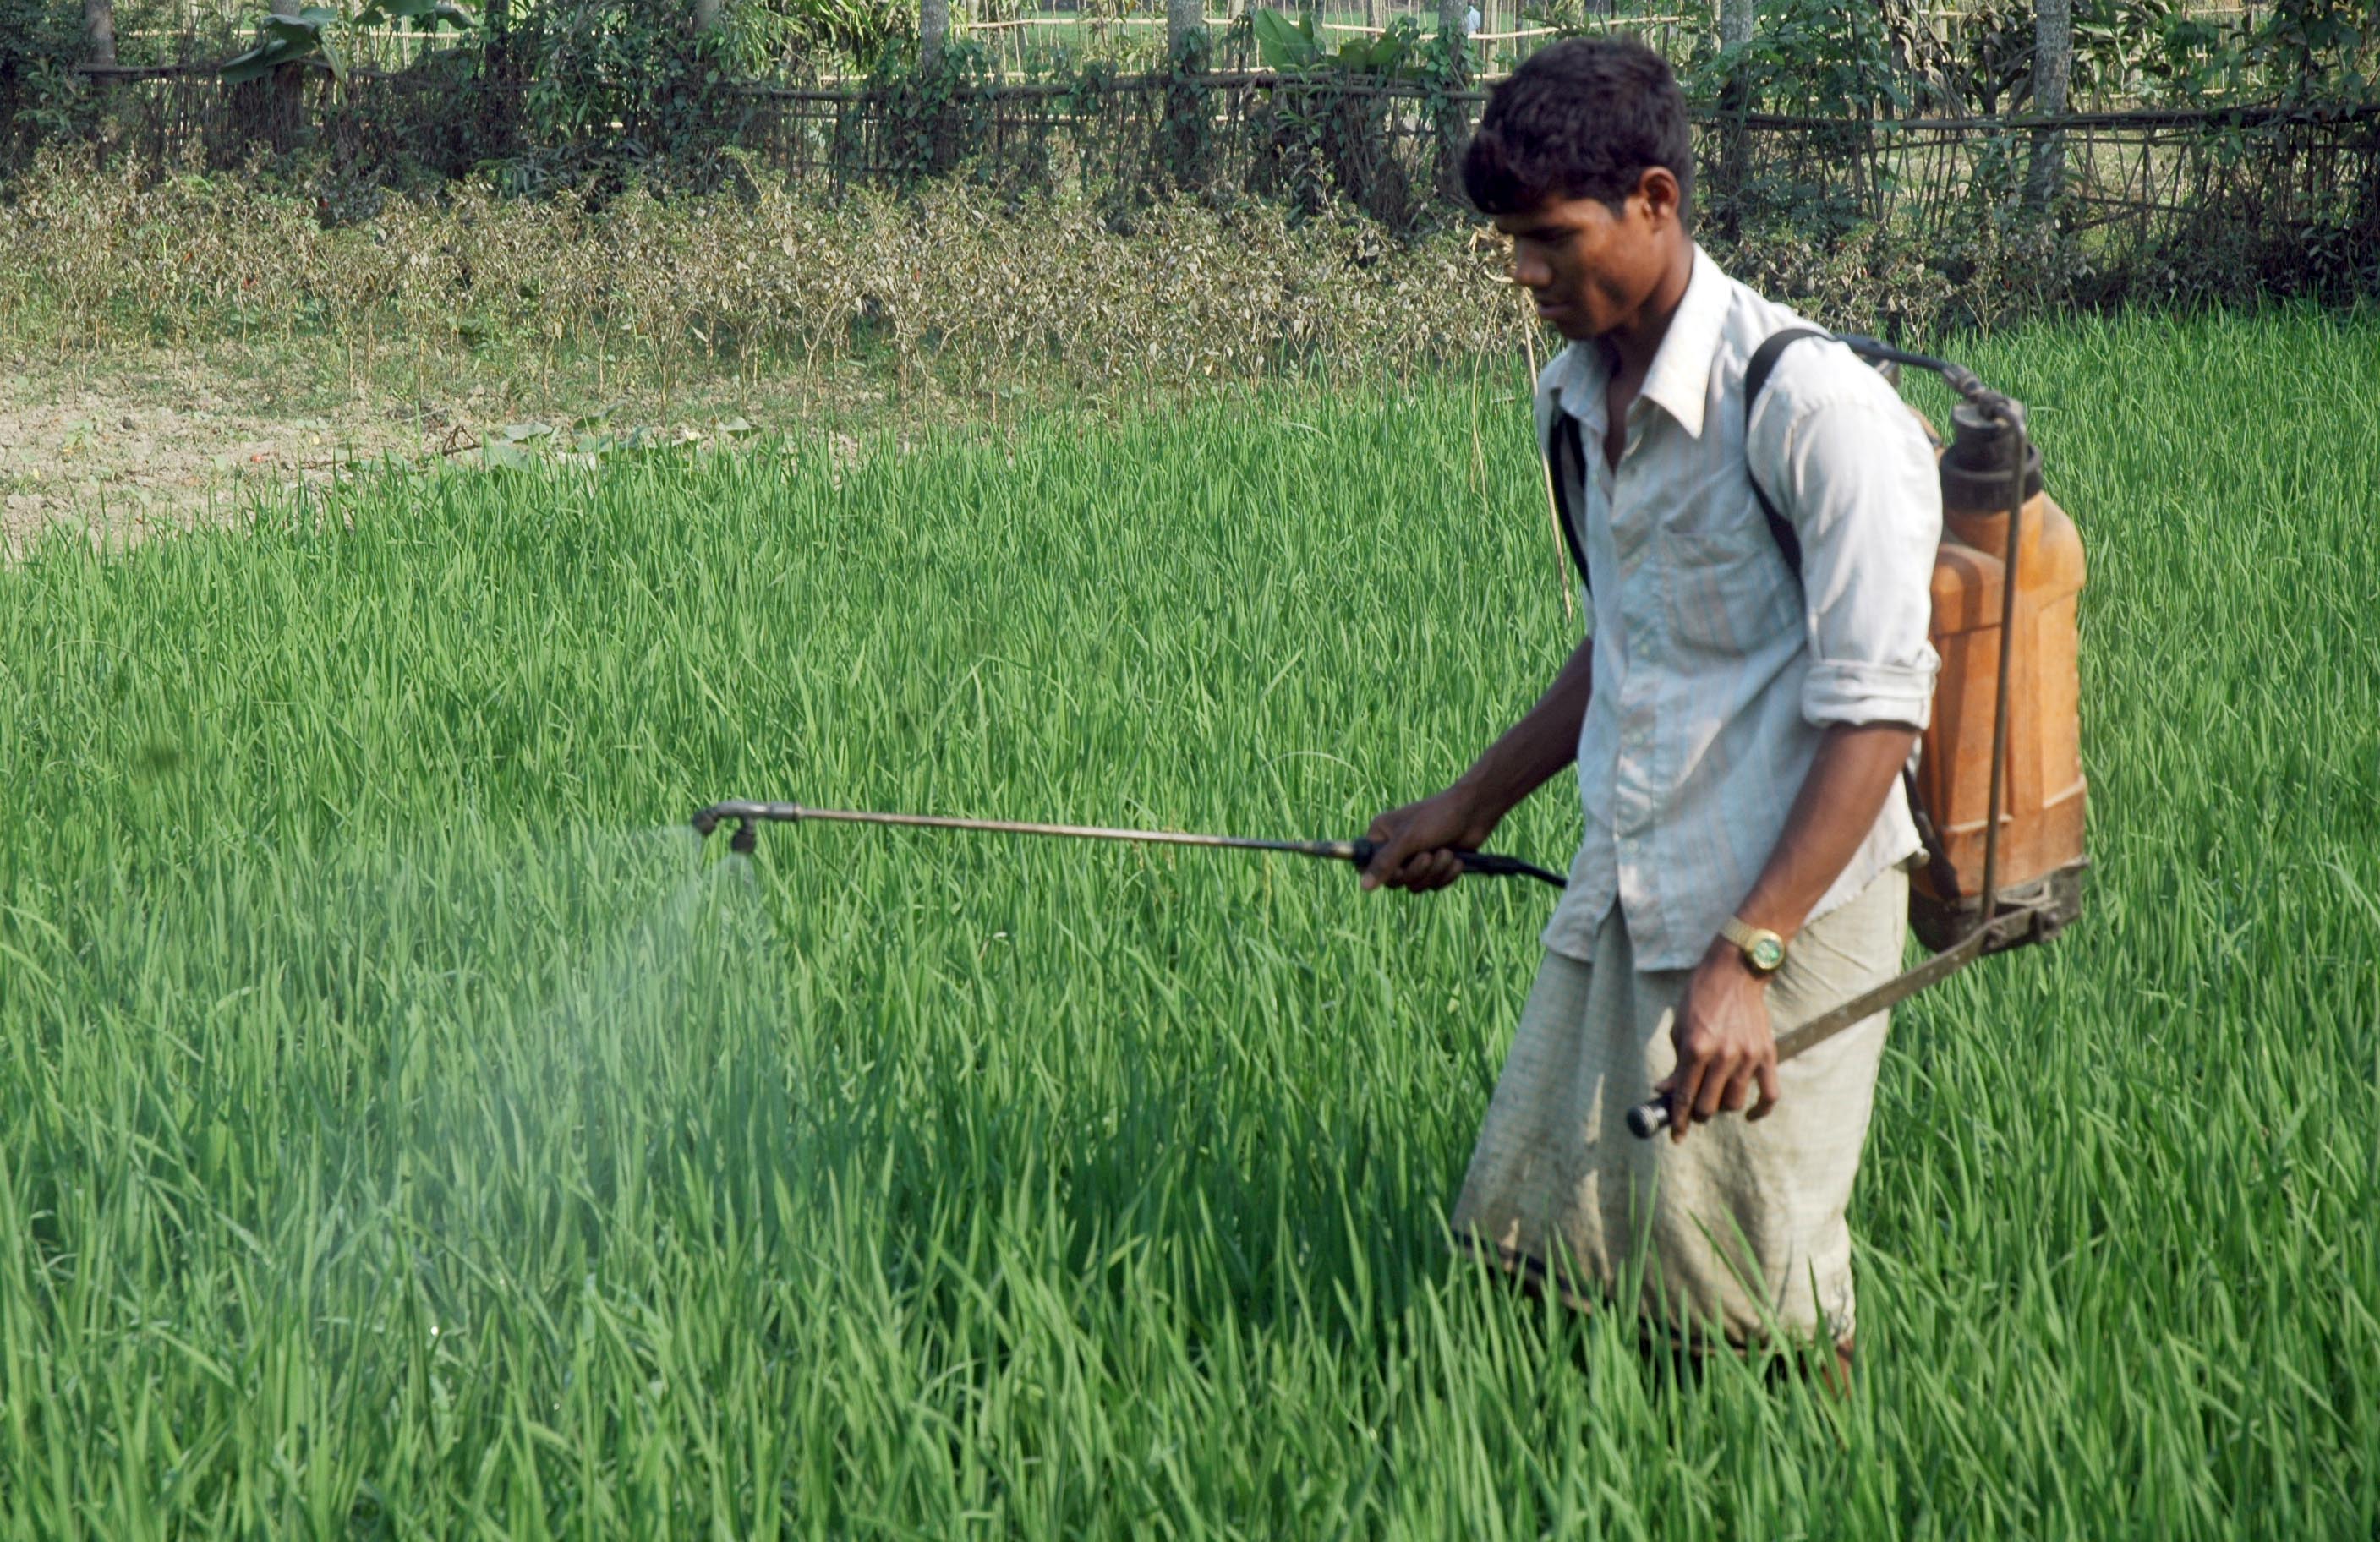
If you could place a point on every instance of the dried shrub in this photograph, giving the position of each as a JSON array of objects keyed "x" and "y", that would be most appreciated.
[{"x": 950, "y": 278}]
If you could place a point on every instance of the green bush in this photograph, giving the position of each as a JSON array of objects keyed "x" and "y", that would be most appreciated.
[{"x": 41, "y": 98}]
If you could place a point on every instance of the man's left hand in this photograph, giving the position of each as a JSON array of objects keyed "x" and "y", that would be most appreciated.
[{"x": 1726, "y": 1049}]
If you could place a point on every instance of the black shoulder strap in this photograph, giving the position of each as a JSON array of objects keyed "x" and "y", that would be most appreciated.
[
  {"x": 1755, "y": 375},
  {"x": 1756, "y": 378},
  {"x": 1563, "y": 443}
]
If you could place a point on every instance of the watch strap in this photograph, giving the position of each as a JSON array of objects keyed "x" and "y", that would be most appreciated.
[{"x": 1747, "y": 939}]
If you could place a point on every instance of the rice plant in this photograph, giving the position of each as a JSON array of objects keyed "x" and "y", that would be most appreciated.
[{"x": 405, "y": 1131}]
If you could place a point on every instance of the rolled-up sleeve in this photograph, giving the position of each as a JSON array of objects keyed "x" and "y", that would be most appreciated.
[{"x": 1856, "y": 479}]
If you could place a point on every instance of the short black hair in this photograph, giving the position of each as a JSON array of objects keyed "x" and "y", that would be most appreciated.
[{"x": 1583, "y": 118}]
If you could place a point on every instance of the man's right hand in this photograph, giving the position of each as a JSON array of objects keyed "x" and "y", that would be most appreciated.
[{"x": 1417, "y": 844}]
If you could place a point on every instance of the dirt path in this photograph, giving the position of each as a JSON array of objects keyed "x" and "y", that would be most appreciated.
[{"x": 115, "y": 451}]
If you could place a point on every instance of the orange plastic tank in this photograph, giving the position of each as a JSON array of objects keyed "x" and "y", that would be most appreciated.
[{"x": 2041, "y": 855}]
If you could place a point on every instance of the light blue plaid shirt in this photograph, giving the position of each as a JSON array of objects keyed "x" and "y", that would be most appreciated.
[{"x": 1715, "y": 673}]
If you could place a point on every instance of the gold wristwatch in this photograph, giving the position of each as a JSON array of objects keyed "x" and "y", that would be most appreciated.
[{"x": 1764, "y": 950}]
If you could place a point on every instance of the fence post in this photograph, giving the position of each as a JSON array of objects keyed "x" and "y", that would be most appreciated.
[
  {"x": 933, "y": 26},
  {"x": 1737, "y": 19},
  {"x": 2053, "y": 66}
]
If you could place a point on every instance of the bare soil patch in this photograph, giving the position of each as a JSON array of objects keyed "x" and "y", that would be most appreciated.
[{"x": 116, "y": 447}]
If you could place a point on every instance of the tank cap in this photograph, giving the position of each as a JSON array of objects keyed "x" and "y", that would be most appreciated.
[{"x": 1975, "y": 467}]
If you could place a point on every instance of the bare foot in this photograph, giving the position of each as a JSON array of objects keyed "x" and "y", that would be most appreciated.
[{"x": 1840, "y": 1383}]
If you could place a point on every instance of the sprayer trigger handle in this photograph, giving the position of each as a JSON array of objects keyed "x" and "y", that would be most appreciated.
[
  {"x": 1362, "y": 852},
  {"x": 1484, "y": 864}
]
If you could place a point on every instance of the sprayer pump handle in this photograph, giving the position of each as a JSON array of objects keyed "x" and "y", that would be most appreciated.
[{"x": 1649, "y": 1118}]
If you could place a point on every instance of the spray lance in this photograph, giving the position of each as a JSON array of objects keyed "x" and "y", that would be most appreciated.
[
  {"x": 1969, "y": 898},
  {"x": 747, "y": 817}
]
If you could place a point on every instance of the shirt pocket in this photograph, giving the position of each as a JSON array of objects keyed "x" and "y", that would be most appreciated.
[{"x": 1730, "y": 593}]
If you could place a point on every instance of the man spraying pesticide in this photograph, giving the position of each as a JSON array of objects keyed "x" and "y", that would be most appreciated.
[
  {"x": 1756, "y": 525},
  {"x": 1784, "y": 594}
]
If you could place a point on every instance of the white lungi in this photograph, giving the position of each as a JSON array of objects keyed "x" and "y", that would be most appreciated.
[{"x": 1740, "y": 1227}]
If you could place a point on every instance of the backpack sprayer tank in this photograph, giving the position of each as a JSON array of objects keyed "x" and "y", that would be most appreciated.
[{"x": 2040, "y": 854}]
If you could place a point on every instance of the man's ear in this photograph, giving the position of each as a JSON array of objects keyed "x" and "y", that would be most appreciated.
[{"x": 1658, "y": 186}]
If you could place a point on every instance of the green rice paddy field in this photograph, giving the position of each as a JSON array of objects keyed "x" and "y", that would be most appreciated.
[{"x": 404, "y": 1132}]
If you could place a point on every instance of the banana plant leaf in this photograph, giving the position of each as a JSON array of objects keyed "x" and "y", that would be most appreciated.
[
  {"x": 308, "y": 35},
  {"x": 288, "y": 40},
  {"x": 1283, "y": 43}
]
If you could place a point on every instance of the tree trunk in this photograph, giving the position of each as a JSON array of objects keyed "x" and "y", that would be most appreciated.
[
  {"x": 1453, "y": 125},
  {"x": 1736, "y": 22},
  {"x": 99, "y": 25},
  {"x": 1183, "y": 18},
  {"x": 1735, "y": 19},
  {"x": 1187, "y": 128},
  {"x": 705, "y": 15},
  {"x": 2053, "y": 64},
  {"x": 271, "y": 108},
  {"x": 933, "y": 26},
  {"x": 2053, "y": 54},
  {"x": 496, "y": 99}
]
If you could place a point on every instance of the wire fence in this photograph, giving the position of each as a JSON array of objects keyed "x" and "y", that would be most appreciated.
[{"x": 2124, "y": 182}]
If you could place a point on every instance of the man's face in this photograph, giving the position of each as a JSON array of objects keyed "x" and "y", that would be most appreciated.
[{"x": 1588, "y": 269}]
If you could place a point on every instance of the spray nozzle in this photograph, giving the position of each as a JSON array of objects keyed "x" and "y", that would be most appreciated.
[{"x": 746, "y": 818}]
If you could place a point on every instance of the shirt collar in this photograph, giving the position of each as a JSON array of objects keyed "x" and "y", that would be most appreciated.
[
  {"x": 1578, "y": 378},
  {"x": 1679, "y": 380}
]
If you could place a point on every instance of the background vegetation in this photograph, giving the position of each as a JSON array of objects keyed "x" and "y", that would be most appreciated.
[{"x": 2219, "y": 156}]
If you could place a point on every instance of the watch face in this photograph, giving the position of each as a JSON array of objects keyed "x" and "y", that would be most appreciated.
[{"x": 1767, "y": 952}]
